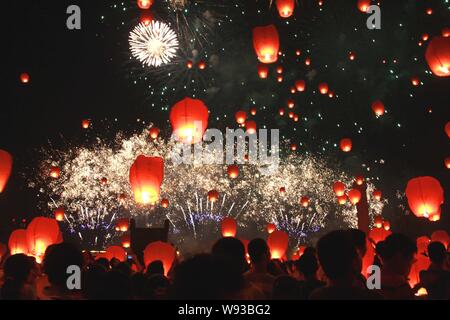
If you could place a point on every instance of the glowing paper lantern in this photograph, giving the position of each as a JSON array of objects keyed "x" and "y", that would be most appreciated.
[
  {"x": 300, "y": 85},
  {"x": 425, "y": 196},
  {"x": 285, "y": 7},
  {"x": 250, "y": 126},
  {"x": 290, "y": 104},
  {"x": 125, "y": 240},
  {"x": 308, "y": 61},
  {"x": 24, "y": 78},
  {"x": 122, "y": 225},
  {"x": 103, "y": 181},
  {"x": 282, "y": 191},
  {"x": 189, "y": 64},
  {"x": 253, "y": 111},
  {"x": 279, "y": 69},
  {"x": 85, "y": 124},
  {"x": 144, "y": 4},
  {"x": 147, "y": 18},
  {"x": 323, "y": 88},
  {"x": 146, "y": 176},
  {"x": 377, "y": 195},
  {"x": 213, "y": 196},
  {"x": 342, "y": 199},
  {"x": 233, "y": 171},
  {"x": 165, "y": 203},
  {"x": 346, "y": 145},
  {"x": 18, "y": 242},
  {"x": 378, "y": 221},
  {"x": 263, "y": 71},
  {"x": 59, "y": 214},
  {"x": 6, "y": 162},
  {"x": 415, "y": 81},
  {"x": 447, "y": 162},
  {"x": 271, "y": 228},
  {"x": 229, "y": 227},
  {"x": 339, "y": 188},
  {"x": 55, "y": 172},
  {"x": 202, "y": 65},
  {"x": 281, "y": 112},
  {"x": 355, "y": 196},
  {"x": 438, "y": 56},
  {"x": 41, "y": 233},
  {"x": 241, "y": 116},
  {"x": 154, "y": 133},
  {"x": 278, "y": 242},
  {"x": 363, "y": 5},
  {"x": 422, "y": 244},
  {"x": 440, "y": 236},
  {"x": 351, "y": 56},
  {"x": 189, "y": 119},
  {"x": 116, "y": 252},
  {"x": 379, "y": 234},
  {"x": 293, "y": 147},
  {"x": 378, "y": 108},
  {"x": 304, "y": 201},
  {"x": 446, "y": 32},
  {"x": 359, "y": 180},
  {"x": 266, "y": 43},
  {"x": 160, "y": 251},
  {"x": 386, "y": 225}
]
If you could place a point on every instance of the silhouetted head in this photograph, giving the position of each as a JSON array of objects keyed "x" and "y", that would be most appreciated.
[
  {"x": 338, "y": 256},
  {"x": 156, "y": 287},
  {"x": 104, "y": 262},
  {"x": 258, "y": 251},
  {"x": 397, "y": 253},
  {"x": 58, "y": 259},
  {"x": 437, "y": 252},
  {"x": 17, "y": 271},
  {"x": 307, "y": 265},
  {"x": 114, "y": 262},
  {"x": 117, "y": 286},
  {"x": 359, "y": 240},
  {"x": 155, "y": 267},
  {"x": 93, "y": 282},
  {"x": 124, "y": 267},
  {"x": 286, "y": 288},
  {"x": 232, "y": 250}
]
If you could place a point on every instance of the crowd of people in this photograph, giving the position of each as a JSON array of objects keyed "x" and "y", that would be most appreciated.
[{"x": 330, "y": 271}]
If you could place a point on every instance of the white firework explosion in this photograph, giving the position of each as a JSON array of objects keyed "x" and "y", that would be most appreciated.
[{"x": 155, "y": 44}]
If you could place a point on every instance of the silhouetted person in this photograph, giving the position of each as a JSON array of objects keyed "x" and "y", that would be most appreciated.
[
  {"x": 359, "y": 240},
  {"x": 156, "y": 267},
  {"x": 286, "y": 288},
  {"x": 56, "y": 262},
  {"x": 437, "y": 278},
  {"x": 93, "y": 282},
  {"x": 341, "y": 263},
  {"x": 117, "y": 286},
  {"x": 19, "y": 278},
  {"x": 260, "y": 258},
  {"x": 397, "y": 253},
  {"x": 157, "y": 287},
  {"x": 104, "y": 262},
  {"x": 307, "y": 265}
]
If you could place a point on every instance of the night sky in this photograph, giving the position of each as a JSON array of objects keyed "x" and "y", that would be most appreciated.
[{"x": 89, "y": 74}]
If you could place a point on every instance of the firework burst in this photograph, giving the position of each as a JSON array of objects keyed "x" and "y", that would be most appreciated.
[{"x": 153, "y": 45}]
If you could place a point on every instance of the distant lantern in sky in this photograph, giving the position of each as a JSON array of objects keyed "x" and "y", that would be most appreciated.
[
  {"x": 363, "y": 5},
  {"x": 346, "y": 145},
  {"x": 55, "y": 172},
  {"x": 271, "y": 228},
  {"x": 266, "y": 43},
  {"x": 154, "y": 133},
  {"x": 253, "y": 111},
  {"x": 144, "y": 4},
  {"x": 85, "y": 124},
  {"x": 263, "y": 71},
  {"x": 323, "y": 88},
  {"x": 359, "y": 180},
  {"x": 241, "y": 117},
  {"x": 290, "y": 104},
  {"x": 24, "y": 78},
  {"x": 300, "y": 85},
  {"x": 339, "y": 188},
  {"x": 202, "y": 65},
  {"x": 438, "y": 56},
  {"x": 354, "y": 196},
  {"x": 342, "y": 199},
  {"x": 250, "y": 126},
  {"x": 278, "y": 242},
  {"x": 377, "y": 195},
  {"x": 146, "y": 18},
  {"x": 146, "y": 177},
  {"x": 229, "y": 227},
  {"x": 446, "y": 32},
  {"x": 6, "y": 162},
  {"x": 213, "y": 196},
  {"x": 189, "y": 119},
  {"x": 59, "y": 214},
  {"x": 425, "y": 196},
  {"x": 165, "y": 203},
  {"x": 285, "y": 7},
  {"x": 308, "y": 61},
  {"x": 293, "y": 147},
  {"x": 233, "y": 171},
  {"x": 378, "y": 108},
  {"x": 304, "y": 201},
  {"x": 378, "y": 221},
  {"x": 279, "y": 69},
  {"x": 281, "y": 111},
  {"x": 415, "y": 81},
  {"x": 447, "y": 162}
]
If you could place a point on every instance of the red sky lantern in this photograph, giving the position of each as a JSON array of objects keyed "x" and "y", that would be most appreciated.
[
  {"x": 293, "y": 90},
  {"x": 323, "y": 88},
  {"x": 342, "y": 199},
  {"x": 253, "y": 111},
  {"x": 165, "y": 203},
  {"x": 298, "y": 52},
  {"x": 378, "y": 108},
  {"x": 346, "y": 145},
  {"x": 189, "y": 119},
  {"x": 447, "y": 129},
  {"x": 440, "y": 236},
  {"x": 285, "y": 7},
  {"x": 263, "y": 71},
  {"x": 415, "y": 81},
  {"x": 293, "y": 147},
  {"x": 281, "y": 112},
  {"x": 438, "y": 56},
  {"x": 291, "y": 115},
  {"x": 59, "y": 214},
  {"x": 296, "y": 118},
  {"x": 160, "y": 251},
  {"x": 339, "y": 188},
  {"x": 308, "y": 61},
  {"x": 354, "y": 196},
  {"x": 300, "y": 85},
  {"x": 425, "y": 196},
  {"x": 122, "y": 225},
  {"x": 351, "y": 56},
  {"x": 229, "y": 227},
  {"x": 85, "y": 124},
  {"x": 425, "y": 36},
  {"x": 422, "y": 244},
  {"x": 116, "y": 252},
  {"x": 201, "y": 65},
  {"x": 233, "y": 171},
  {"x": 154, "y": 133},
  {"x": 271, "y": 228},
  {"x": 144, "y": 4},
  {"x": 278, "y": 242},
  {"x": 282, "y": 191},
  {"x": 378, "y": 221},
  {"x": 279, "y": 69},
  {"x": 331, "y": 94},
  {"x": 125, "y": 240},
  {"x": 304, "y": 201},
  {"x": 6, "y": 162},
  {"x": 359, "y": 180},
  {"x": 55, "y": 172},
  {"x": 213, "y": 196},
  {"x": 377, "y": 194},
  {"x": 447, "y": 162},
  {"x": 363, "y": 5},
  {"x": 104, "y": 181},
  {"x": 386, "y": 225},
  {"x": 41, "y": 233},
  {"x": 379, "y": 234},
  {"x": 24, "y": 78},
  {"x": 250, "y": 126},
  {"x": 280, "y": 79},
  {"x": 266, "y": 43},
  {"x": 291, "y": 104},
  {"x": 446, "y": 32},
  {"x": 241, "y": 116},
  {"x": 18, "y": 242},
  {"x": 146, "y": 177},
  {"x": 189, "y": 64},
  {"x": 147, "y": 18}
]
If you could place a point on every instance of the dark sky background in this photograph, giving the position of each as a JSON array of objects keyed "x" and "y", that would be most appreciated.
[{"x": 88, "y": 74}]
